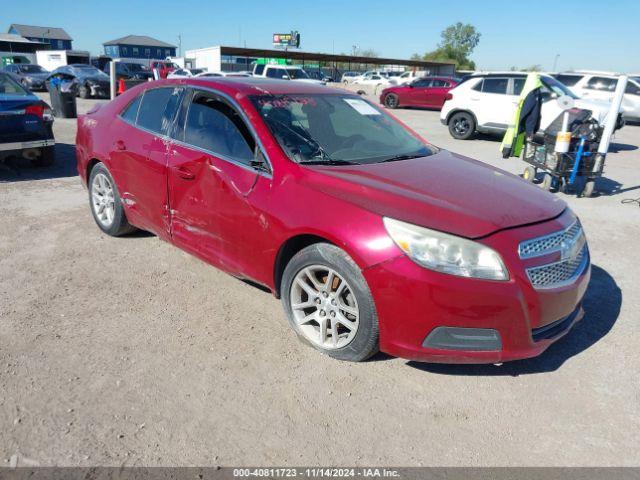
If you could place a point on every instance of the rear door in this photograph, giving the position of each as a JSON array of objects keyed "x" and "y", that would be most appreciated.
[
  {"x": 212, "y": 184},
  {"x": 139, "y": 156},
  {"x": 437, "y": 92},
  {"x": 491, "y": 104}
]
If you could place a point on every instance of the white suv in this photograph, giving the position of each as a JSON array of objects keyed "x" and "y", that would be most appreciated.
[
  {"x": 600, "y": 86},
  {"x": 485, "y": 102}
]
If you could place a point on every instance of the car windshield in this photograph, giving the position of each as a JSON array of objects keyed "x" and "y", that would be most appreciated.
[
  {"x": 295, "y": 73},
  {"x": 557, "y": 87},
  {"x": 136, "y": 67},
  {"x": 337, "y": 129},
  {"x": 8, "y": 86},
  {"x": 89, "y": 71},
  {"x": 32, "y": 69}
]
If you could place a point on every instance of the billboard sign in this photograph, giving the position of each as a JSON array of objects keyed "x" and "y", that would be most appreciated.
[{"x": 286, "y": 40}]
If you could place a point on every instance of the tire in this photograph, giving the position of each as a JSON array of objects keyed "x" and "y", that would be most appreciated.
[
  {"x": 547, "y": 182},
  {"x": 462, "y": 126},
  {"x": 589, "y": 188},
  {"x": 348, "y": 291},
  {"x": 84, "y": 92},
  {"x": 118, "y": 224},
  {"x": 391, "y": 101},
  {"x": 47, "y": 157},
  {"x": 529, "y": 174}
]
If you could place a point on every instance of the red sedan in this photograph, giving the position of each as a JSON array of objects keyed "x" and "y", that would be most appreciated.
[
  {"x": 428, "y": 92},
  {"x": 373, "y": 238}
]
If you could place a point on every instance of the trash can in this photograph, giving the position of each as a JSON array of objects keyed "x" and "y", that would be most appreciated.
[{"x": 63, "y": 98}]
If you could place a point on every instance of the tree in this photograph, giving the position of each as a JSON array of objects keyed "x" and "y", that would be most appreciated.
[{"x": 457, "y": 44}]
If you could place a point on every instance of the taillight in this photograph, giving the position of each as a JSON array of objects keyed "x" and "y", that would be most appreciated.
[
  {"x": 37, "y": 110},
  {"x": 40, "y": 111},
  {"x": 449, "y": 96}
]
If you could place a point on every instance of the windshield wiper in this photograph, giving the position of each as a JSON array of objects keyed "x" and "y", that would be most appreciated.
[
  {"x": 307, "y": 140},
  {"x": 401, "y": 157},
  {"x": 328, "y": 161}
]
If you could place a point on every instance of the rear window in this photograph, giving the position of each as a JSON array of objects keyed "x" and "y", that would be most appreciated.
[
  {"x": 8, "y": 86},
  {"x": 158, "y": 108},
  {"x": 259, "y": 69},
  {"x": 568, "y": 80}
]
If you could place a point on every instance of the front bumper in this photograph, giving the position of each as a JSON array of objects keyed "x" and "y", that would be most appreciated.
[
  {"x": 413, "y": 302},
  {"x": 11, "y": 146}
]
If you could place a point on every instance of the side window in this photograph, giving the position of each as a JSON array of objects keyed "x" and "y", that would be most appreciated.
[
  {"x": 213, "y": 125},
  {"x": 495, "y": 85},
  {"x": 158, "y": 108},
  {"x": 568, "y": 80},
  {"x": 259, "y": 69},
  {"x": 275, "y": 73},
  {"x": 422, "y": 83},
  {"x": 478, "y": 86},
  {"x": 439, "y": 83},
  {"x": 602, "y": 83},
  {"x": 632, "y": 88},
  {"x": 130, "y": 113},
  {"x": 518, "y": 85}
]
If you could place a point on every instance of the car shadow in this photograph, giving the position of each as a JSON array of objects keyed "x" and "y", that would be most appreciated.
[
  {"x": 602, "y": 304},
  {"x": 621, "y": 147},
  {"x": 20, "y": 170}
]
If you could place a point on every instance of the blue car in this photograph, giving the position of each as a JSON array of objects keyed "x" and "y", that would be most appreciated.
[{"x": 26, "y": 124}]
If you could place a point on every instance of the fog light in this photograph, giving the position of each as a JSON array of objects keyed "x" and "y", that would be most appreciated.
[{"x": 456, "y": 338}]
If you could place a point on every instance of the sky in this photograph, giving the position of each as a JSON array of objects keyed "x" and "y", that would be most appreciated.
[{"x": 586, "y": 34}]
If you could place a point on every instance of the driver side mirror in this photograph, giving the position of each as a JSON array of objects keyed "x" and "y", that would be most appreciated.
[{"x": 259, "y": 161}]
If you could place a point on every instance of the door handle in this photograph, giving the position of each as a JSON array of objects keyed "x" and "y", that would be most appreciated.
[
  {"x": 185, "y": 173},
  {"x": 120, "y": 145}
]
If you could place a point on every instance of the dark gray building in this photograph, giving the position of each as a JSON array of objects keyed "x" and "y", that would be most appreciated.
[
  {"x": 139, "y": 46},
  {"x": 57, "y": 38}
]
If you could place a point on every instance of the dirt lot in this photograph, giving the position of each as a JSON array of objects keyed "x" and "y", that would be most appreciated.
[{"x": 129, "y": 351}]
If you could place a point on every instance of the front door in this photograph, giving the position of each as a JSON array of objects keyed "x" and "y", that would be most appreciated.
[{"x": 211, "y": 183}]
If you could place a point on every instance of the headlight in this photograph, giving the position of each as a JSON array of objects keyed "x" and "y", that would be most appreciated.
[{"x": 446, "y": 253}]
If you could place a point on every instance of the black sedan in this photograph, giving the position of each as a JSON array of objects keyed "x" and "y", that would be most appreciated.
[
  {"x": 130, "y": 71},
  {"x": 90, "y": 81},
  {"x": 25, "y": 124},
  {"x": 32, "y": 77}
]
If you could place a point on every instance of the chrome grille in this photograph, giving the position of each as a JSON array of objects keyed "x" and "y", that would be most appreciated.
[
  {"x": 557, "y": 274},
  {"x": 537, "y": 247}
]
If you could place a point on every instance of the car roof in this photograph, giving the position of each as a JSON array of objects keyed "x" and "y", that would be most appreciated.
[{"x": 257, "y": 86}]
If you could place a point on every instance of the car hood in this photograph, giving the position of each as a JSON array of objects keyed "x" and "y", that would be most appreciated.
[{"x": 445, "y": 191}]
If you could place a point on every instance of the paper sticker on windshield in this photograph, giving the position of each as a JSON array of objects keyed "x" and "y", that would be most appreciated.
[{"x": 362, "y": 107}]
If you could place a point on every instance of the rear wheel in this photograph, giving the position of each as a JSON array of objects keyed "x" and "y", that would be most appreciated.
[
  {"x": 529, "y": 174},
  {"x": 328, "y": 303},
  {"x": 462, "y": 126},
  {"x": 391, "y": 101},
  {"x": 106, "y": 205}
]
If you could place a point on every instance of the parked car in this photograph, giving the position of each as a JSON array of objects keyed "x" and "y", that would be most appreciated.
[
  {"x": 319, "y": 75},
  {"x": 32, "y": 77},
  {"x": 407, "y": 77},
  {"x": 485, "y": 102},
  {"x": 164, "y": 67},
  {"x": 372, "y": 237},
  {"x": 284, "y": 72},
  {"x": 26, "y": 124},
  {"x": 372, "y": 80},
  {"x": 129, "y": 71},
  {"x": 91, "y": 81},
  {"x": 349, "y": 77},
  {"x": 224, "y": 74},
  {"x": 601, "y": 86},
  {"x": 427, "y": 92}
]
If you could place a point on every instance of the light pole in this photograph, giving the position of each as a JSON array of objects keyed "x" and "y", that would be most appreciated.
[{"x": 555, "y": 62}]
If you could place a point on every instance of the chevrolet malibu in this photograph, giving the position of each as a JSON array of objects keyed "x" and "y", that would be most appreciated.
[{"x": 373, "y": 238}]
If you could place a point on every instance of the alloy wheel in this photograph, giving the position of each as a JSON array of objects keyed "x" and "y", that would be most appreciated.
[
  {"x": 103, "y": 199},
  {"x": 461, "y": 126},
  {"x": 324, "y": 307}
]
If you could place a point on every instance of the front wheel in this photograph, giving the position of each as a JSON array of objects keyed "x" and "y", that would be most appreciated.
[
  {"x": 328, "y": 303},
  {"x": 106, "y": 205},
  {"x": 391, "y": 101},
  {"x": 462, "y": 126}
]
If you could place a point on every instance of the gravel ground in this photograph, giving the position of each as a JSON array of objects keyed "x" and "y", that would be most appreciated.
[{"x": 130, "y": 352}]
